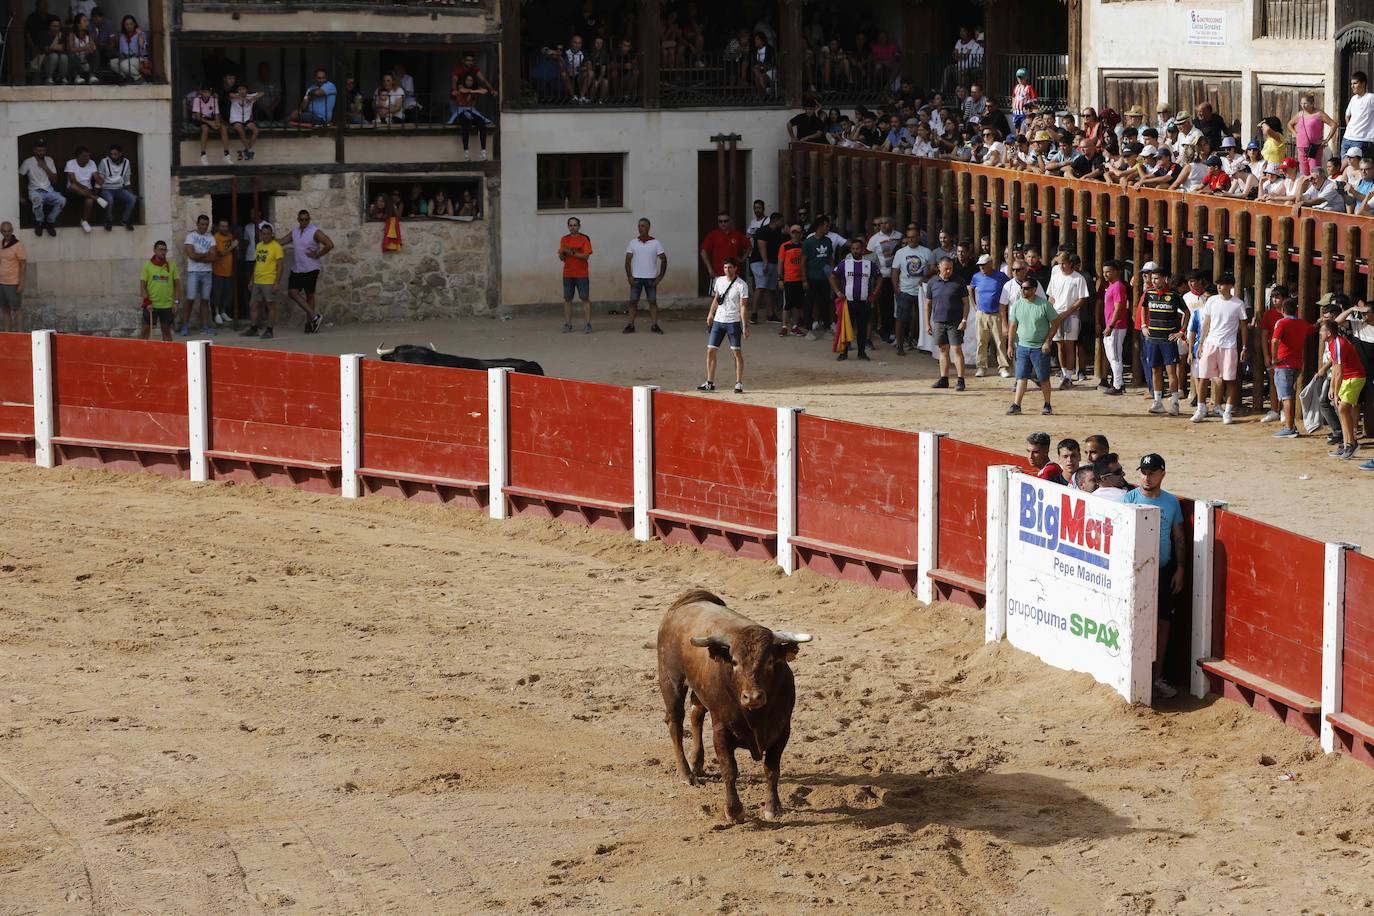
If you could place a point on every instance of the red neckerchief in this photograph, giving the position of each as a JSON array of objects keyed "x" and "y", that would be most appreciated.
[
  {"x": 158, "y": 262},
  {"x": 9, "y": 242}
]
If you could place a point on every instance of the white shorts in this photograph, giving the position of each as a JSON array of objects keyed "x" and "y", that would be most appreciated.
[{"x": 1069, "y": 329}]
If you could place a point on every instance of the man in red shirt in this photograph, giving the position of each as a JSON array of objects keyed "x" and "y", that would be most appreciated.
[
  {"x": 1038, "y": 453},
  {"x": 792, "y": 267},
  {"x": 1283, "y": 348},
  {"x": 1346, "y": 383},
  {"x": 1216, "y": 181},
  {"x": 574, "y": 250},
  {"x": 1266, "y": 320},
  {"x": 469, "y": 68},
  {"x": 724, "y": 241}
]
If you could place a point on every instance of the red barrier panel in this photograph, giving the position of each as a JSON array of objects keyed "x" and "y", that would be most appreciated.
[
  {"x": 1270, "y": 643},
  {"x": 961, "y": 551},
  {"x": 16, "y": 397},
  {"x": 120, "y": 404},
  {"x": 857, "y": 496},
  {"x": 571, "y": 451},
  {"x": 274, "y": 417},
  {"x": 424, "y": 433},
  {"x": 1355, "y": 725},
  {"x": 715, "y": 474}
]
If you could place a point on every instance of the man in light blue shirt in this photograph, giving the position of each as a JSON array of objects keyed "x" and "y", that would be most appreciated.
[
  {"x": 985, "y": 291},
  {"x": 318, "y": 105},
  {"x": 1172, "y": 543}
]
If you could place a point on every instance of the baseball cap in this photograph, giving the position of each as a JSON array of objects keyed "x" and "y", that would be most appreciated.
[
  {"x": 1022, "y": 72},
  {"x": 1227, "y": 277},
  {"x": 1214, "y": 160},
  {"x": 1228, "y": 142},
  {"x": 1149, "y": 151},
  {"x": 984, "y": 259},
  {"x": 1273, "y": 169},
  {"x": 1288, "y": 163},
  {"x": 1150, "y": 268},
  {"x": 1352, "y": 150},
  {"x": 1254, "y": 144},
  {"x": 1152, "y": 462}
]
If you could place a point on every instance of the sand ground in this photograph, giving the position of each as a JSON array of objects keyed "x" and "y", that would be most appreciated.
[
  {"x": 219, "y": 699},
  {"x": 1288, "y": 483}
]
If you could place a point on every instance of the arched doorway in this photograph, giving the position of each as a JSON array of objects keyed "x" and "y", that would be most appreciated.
[{"x": 1355, "y": 45}]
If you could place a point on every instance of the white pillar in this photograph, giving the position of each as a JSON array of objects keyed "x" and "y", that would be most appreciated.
[
  {"x": 787, "y": 487},
  {"x": 1204, "y": 582},
  {"x": 350, "y": 421},
  {"x": 43, "y": 407},
  {"x": 198, "y": 405},
  {"x": 995, "y": 606},
  {"x": 928, "y": 513},
  {"x": 643, "y": 419},
  {"x": 498, "y": 440},
  {"x": 1333, "y": 638}
]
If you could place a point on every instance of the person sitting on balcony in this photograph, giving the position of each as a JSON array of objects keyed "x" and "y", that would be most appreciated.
[
  {"x": 861, "y": 64},
  {"x": 131, "y": 61},
  {"x": 83, "y": 182},
  {"x": 417, "y": 204},
  {"x": 1321, "y": 193},
  {"x": 353, "y": 102},
  {"x": 1216, "y": 181},
  {"x": 808, "y": 127},
  {"x": 887, "y": 59},
  {"x": 624, "y": 71},
  {"x": 921, "y": 145},
  {"x": 41, "y": 173},
  {"x": 994, "y": 117},
  {"x": 56, "y": 63},
  {"x": 835, "y": 70},
  {"x": 317, "y": 105},
  {"x": 898, "y": 138},
  {"x": 469, "y": 66},
  {"x": 836, "y": 126},
  {"x": 575, "y": 72},
  {"x": 36, "y": 35},
  {"x": 691, "y": 36},
  {"x": 764, "y": 65},
  {"x": 967, "y": 58},
  {"x": 116, "y": 185},
  {"x": 1023, "y": 94},
  {"x": 868, "y": 134},
  {"x": 82, "y": 51},
  {"x": 241, "y": 103},
  {"x": 389, "y": 102},
  {"x": 406, "y": 83},
  {"x": 103, "y": 31},
  {"x": 205, "y": 114},
  {"x": 599, "y": 69},
  {"x": 670, "y": 41},
  {"x": 463, "y": 112},
  {"x": 737, "y": 55}
]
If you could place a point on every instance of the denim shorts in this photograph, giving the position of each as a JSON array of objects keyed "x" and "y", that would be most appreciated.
[
  {"x": 765, "y": 275},
  {"x": 1032, "y": 363},
  {"x": 1158, "y": 352},
  {"x": 1286, "y": 382},
  {"x": 579, "y": 285},
  {"x": 904, "y": 306},
  {"x": 723, "y": 329},
  {"x": 198, "y": 284},
  {"x": 638, "y": 285}
]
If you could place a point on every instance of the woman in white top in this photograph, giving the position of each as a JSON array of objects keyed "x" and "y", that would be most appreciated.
[
  {"x": 389, "y": 102},
  {"x": 725, "y": 318}
]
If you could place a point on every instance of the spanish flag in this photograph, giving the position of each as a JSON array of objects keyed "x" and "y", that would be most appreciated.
[
  {"x": 391, "y": 235},
  {"x": 844, "y": 330}
]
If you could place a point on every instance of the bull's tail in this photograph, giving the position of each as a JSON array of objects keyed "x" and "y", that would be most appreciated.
[{"x": 695, "y": 595}]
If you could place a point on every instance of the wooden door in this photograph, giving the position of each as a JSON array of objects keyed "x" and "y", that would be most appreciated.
[
  {"x": 1121, "y": 91},
  {"x": 1221, "y": 89},
  {"x": 1281, "y": 101}
]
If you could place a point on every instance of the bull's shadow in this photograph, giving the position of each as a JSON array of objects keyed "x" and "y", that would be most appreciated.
[{"x": 1028, "y": 809}]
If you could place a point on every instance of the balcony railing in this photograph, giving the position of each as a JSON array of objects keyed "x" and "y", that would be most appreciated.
[
  {"x": 719, "y": 79},
  {"x": 840, "y": 83},
  {"x": 545, "y": 82},
  {"x": 290, "y": 6},
  {"x": 1049, "y": 74},
  {"x": 1296, "y": 19},
  {"x": 25, "y": 65}
]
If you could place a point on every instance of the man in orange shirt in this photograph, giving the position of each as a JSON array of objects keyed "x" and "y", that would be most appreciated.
[
  {"x": 12, "y": 262},
  {"x": 574, "y": 249},
  {"x": 222, "y": 274},
  {"x": 792, "y": 267}
]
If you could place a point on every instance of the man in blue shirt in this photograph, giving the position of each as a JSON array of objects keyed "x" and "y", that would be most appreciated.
[
  {"x": 318, "y": 105},
  {"x": 1172, "y": 544},
  {"x": 985, "y": 291}
]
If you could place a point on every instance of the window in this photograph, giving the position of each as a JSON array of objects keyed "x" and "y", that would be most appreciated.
[
  {"x": 62, "y": 144},
  {"x": 430, "y": 198},
  {"x": 580, "y": 181}
]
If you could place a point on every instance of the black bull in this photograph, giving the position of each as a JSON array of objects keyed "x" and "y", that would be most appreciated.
[{"x": 428, "y": 356}]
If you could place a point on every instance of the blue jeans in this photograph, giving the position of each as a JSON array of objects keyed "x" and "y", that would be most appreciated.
[
  {"x": 53, "y": 201},
  {"x": 720, "y": 330},
  {"x": 127, "y": 198},
  {"x": 649, "y": 287}
]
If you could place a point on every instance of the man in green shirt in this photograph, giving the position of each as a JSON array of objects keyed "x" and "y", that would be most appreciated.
[
  {"x": 1033, "y": 325},
  {"x": 819, "y": 252},
  {"x": 159, "y": 286}
]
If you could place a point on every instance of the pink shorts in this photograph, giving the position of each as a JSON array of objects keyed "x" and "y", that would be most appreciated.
[{"x": 1218, "y": 362}]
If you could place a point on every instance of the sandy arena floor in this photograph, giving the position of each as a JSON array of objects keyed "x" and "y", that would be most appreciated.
[
  {"x": 223, "y": 699},
  {"x": 1291, "y": 484}
]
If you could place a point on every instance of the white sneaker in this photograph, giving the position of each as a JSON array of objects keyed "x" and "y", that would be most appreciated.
[
  {"x": 85, "y": 226},
  {"x": 1200, "y": 414},
  {"x": 93, "y": 81},
  {"x": 466, "y": 155},
  {"x": 81, "y": 80},
  {"x": 979, "y": 373},
  {"x": 1163, "y": 689},
  {"x": 1173, "y": 406},
  {"x": 1157, "y": 406},
  {"x": 1226, "y": 416},
  {"x": 1270, "y": 417},
  {"x": 204, "y": 159},
  {"x": 482, "y": 156},
  {"x": 1004, "y": 373},
  {"x": 228, "y": 158}
]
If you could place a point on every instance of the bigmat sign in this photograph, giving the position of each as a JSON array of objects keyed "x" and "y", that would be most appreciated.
[{"x": 1072, "y": 578}]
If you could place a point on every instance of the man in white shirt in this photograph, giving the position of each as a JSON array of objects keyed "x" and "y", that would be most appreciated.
[
  {"x": 645, "y": 264},
  {"x": 1321, "y": 193},
  {"x": 41, "y": 173},
  {"x": 760, "y": 218},
  {"x": 1223, "y": 347},
  {"x": 910, "y": 264},
  {"x": 1067, "y": 293},
  {"x": 83, "y": 181},
  {"x": 725, "y": 318},
  {"x": 199, "y": 247},
  {"x": 117, "y": 185},
  {"x": 1359, "y": 115},
  {"x": 883, "y": 246}
]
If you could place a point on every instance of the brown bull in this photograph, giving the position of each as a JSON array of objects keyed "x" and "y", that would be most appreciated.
[{"x": 736, "y": 670}]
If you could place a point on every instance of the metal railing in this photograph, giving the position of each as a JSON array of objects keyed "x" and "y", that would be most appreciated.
[
  {"x": 21, "y": 64},
  {"x": 546, "y": 81},
  {"x": 1296, "y": 19},
  {"x": 1049, "y": 74},
  {"x": 719, "y": 79},
  {"x": 849, "y": 82},
  {"x": 305, "y": 5},
  {"x": 430, "y": 110}
]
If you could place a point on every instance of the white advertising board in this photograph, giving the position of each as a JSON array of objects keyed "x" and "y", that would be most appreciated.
[
  {"x": 1076, "y": 581},
  {"x": 1206, "y": 28}
]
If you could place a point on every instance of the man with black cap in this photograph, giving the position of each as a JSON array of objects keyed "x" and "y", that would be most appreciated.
[{"x": 1171, "y": 548}]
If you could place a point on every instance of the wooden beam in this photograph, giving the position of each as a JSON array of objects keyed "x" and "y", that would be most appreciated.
[{"x": 650, "y": 51}]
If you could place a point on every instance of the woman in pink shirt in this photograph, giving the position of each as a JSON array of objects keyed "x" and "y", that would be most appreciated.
[
  {"x": 1309, "y": 128},
  {"x": 1116, "y": 315}
]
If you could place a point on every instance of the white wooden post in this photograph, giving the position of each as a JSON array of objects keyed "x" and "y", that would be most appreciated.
[
  {"x": 643, "y": 418},
  {"x": 995, "y": 608},
  {"x": 1204, "y": 579},
  {"x": 198, "y": 405},
  {"x": 43, "y": 399},
  {"x": 1333, "y": 638},
  {"x": 350, "y": 421},
  {"x": 927, "y": 512},
  {"x": 498, "y": 440},
  {"x": 787, "y": 487}
]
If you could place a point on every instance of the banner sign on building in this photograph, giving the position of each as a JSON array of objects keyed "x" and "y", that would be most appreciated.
[
  {"x": 1072, "y": 579},
  {"x": 1206, "y": 28}
]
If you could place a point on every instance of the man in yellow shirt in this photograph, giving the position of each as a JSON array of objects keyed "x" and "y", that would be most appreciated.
[
  {"x": 159, "y": 286},
  {"x": 222, "y": 281},
  {"x": 267, "y": 261}
]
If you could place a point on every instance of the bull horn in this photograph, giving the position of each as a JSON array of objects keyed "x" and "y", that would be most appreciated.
[
  {"x": 782, "y": 636},
  {"x": 702, "y": 642},
  {"x": 432, "y": 347},
  {"x": 384, "y": 350}
]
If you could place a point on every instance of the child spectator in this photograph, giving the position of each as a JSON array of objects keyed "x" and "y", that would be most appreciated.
[
  {"x": 1346, "y": 382},
  {"x": 205, "y": 114}
]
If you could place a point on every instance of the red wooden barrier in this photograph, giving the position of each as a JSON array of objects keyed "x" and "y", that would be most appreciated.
[
  {"x": 274, "y": 417},
  {"x": 120, "y": 404},
  {"x": 961, "y": 551},
  {"x": 1270, "y": 643},
  {"x": 424, "y": 433},
  {"x": 715, "y": 474},
  {"x": 857, "y": 495},
  {"x": 571, "y": 451},
  {"x": 16, "y": 397},
  {"x": 1354, "y": 726}
]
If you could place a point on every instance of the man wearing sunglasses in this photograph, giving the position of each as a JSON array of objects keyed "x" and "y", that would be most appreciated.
[{"x": 1033, "y": 325}]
